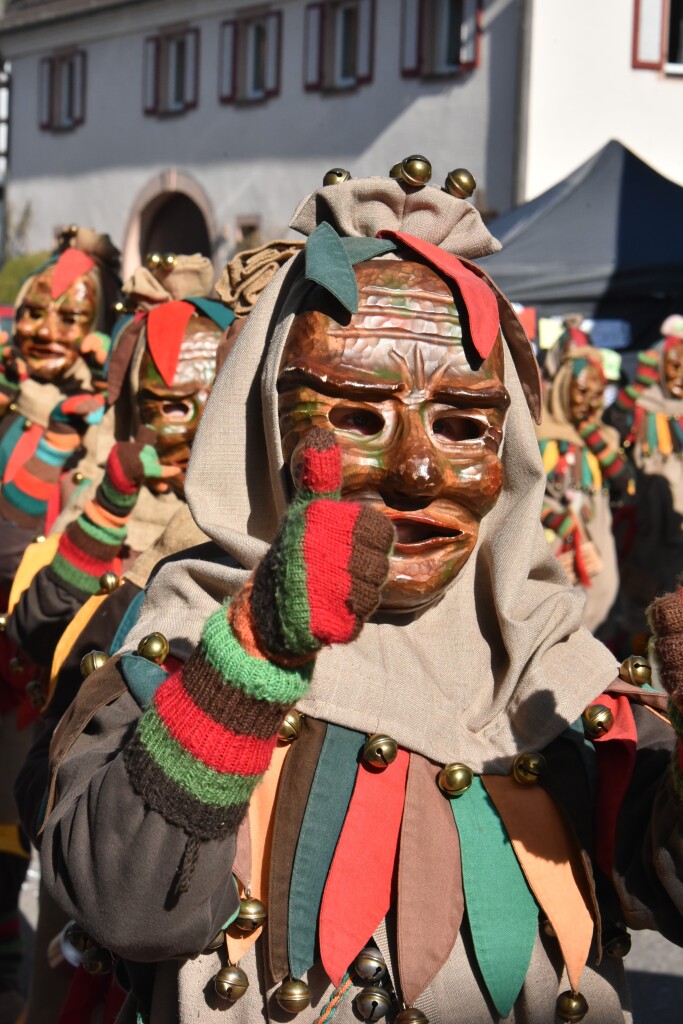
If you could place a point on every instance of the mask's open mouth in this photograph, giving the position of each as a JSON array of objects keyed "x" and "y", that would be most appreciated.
[{"x": 414, "y": 534}]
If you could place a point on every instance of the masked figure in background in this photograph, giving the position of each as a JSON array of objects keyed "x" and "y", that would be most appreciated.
[
  {"x": 652, "y": 408},
  {"x": 161, "y": 370},
  {"x": 50, "y": 378},
  {"x": 585, "y": 471},
  {"x": 366, "y": 776}
]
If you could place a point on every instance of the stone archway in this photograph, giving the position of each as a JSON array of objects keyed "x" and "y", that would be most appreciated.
[{"x": 171, "y": 214}]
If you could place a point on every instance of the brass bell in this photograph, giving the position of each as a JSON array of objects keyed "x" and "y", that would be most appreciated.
[
  {"x": 455, "y": 779},
  {"x": 28, "y": 424},
  {"x": 97, "y": 960},
  {"x": 109, "y": 581},
  {"x": 373, "y": 1002},
  {"x": 4, "y": 619},
  {"x": 460, "y": 183},
  {"x": 36, "y": 694},
  {"x": 370, "y": 964},
  {"x": 13, "y": 407},
  {"x": 40, "y": 539},
  {"x": 597, "y": 720},
  {"x": 571, "y": 1007},
  {"x": 380, "y": 750},
  {"x": 416, "y": 170},
  {"x": 528, "y": 767},
  {"x": 168, "y": 260},
  {"x": 231, "y": 983},
  {"x": 636, "y": 669},
  {"x": 77, "y": 478},
  {"x": 293, "y": 996},
  {"x": 79, "y": 939},
  {"x": 92, "y": 662},
  {"x": 120, "y": 308},
  {"x": 154, "y": 647},
  {"x": 616, "y": 942},
  {"x": 290, "y": 727},
  {"x": 396, "y": 171},
  {"x": 153, "y": 260},
  {"x": 336, "y": 176},
  {"x": 216, "y": 942},
  {"x": 251, "y": 916},
  {"x": 16, "y": 666},
  {"x": 411, "y": 1016},
  {"x": 548, "y": 929}
]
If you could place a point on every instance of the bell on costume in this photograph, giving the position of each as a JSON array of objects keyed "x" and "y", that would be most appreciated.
[
  {"x": 411, "y": 1016},
  {"x": 97, "y": 960},
  {"x": 231, "y": 983},
  {"x": 293, "y": 995},
  {"x": 380, "y": 750},
  {"x": 373, "y": 1002},
  {"x": 571, "y": 1007},
  {"x": 370, "y": 964},
  {"x": 251, "y": 916}
]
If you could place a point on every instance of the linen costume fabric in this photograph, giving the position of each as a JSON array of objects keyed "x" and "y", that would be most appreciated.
[
  {"x": 556, "y": 426},
  {"x": 517, "y": 670}
]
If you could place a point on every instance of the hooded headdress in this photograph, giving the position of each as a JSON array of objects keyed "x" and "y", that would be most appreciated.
[{"x": 501, "y": 663}]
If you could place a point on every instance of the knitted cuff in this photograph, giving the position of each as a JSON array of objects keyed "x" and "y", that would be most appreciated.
[
  {"x": 676, "y": 719},
  {"x": 203, "y": 744},
  {"x": 121, "y": 483},
  {"x": 33, "y": 485},
  {"x": 86, "y": 551}
]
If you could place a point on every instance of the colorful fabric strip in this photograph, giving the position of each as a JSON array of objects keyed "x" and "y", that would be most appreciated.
[
  {"x": 616, "y": 757},
  {"x": 502, "y": 912}
]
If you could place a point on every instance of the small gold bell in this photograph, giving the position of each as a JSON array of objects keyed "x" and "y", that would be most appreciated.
[
  {"x": 396, "y": 171},
  {"x": 168, "y": 260},
  {"x": 73, "y": 936},
  {"x": 571, "y": 1007},
  {"x": 154, "y": 647},
  {"x": 336, "y": 176},
  {"x": 216, "y": 942},
  {"x": 636, "y": 669},
  {"x": 290, "y": 728},
  {"x": 153, "y": 260},
  {"x": 251, "y": 916},
  {"x": 293, "y": 996},
  {"x": 119, "y": 308},
  {"x": 416, "y": 170},
  {"x": 597, "y": 720},
  {"x": 13, "y": 407},
  {"x": 77, "y": 478},
  {"x": 4, "y": 619},
  {"x": 528, "y": 767},
  {"x": 460, "y": 183},
  {"x": 40, "y": 539},
  {"x": 373, "y": 1002},
  {"x": 109, "y": 581},
  {"x": 36, "y": 694},
  {"x": 411, "y": 1016},
  {"x": 455, "y": 779},
  {"x": 97, "y": 960},
  {"x": 616, "y": 942},
  {"x": 380, "y": 750},
  {"x": 370, "y": 964},
  {"x": 231, "y": 983},
  {"x": 28, "y": 424},
  {"x": 548, "y": 929},
  {"x": 92, "y": 661}
]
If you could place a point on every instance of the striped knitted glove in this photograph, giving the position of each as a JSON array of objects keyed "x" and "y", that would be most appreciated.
[
  {"x": 206, "y": 739},
  {"x": 13, "y": 371},
  {"x": 30, "y": 490},
  {"x": 666, "y": 620},
  {"x": 92, "y": 544},
  {"x": 616, "y": 471}
]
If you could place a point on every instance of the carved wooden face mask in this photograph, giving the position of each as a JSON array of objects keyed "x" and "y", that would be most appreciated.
[
  {"x": 419, "y": 428},
  {"x": 673, "y": 369},
  {"x": 49, "y": 331},
  {"x": 174, "y": 411},
  {"x": 586, "y": 394}
]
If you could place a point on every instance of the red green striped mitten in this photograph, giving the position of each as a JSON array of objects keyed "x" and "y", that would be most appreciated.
[
  {"x": 616, "y": 471},
  {"x": 666, "y": 620},
  {"x": 206, "y": 739}
]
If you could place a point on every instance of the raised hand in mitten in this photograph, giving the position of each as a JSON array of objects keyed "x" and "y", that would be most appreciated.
[
  {"x": 130, "y": 465},
  {"x": 13, "y": 370},
  {"x": 666, "y": 619},
  {"x": 322, "y": 576},
  {"x": 207, "y": 737}
]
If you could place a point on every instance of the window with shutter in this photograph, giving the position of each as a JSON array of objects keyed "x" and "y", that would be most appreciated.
[
  {"x": 273, "y": 53},
  {"x": 250, "y": 58},
  {"x": 227, "y": 67},
  {"x": 339, "y": 44},
  {"x": 191, "y": 68},
  {"x": 171, "y": 72},
  {"x": 440, "y": 37},
  {"x": 151, "y": 72},
  {"x": 648, "y": 34},
  {"x": 674, "y": 54},
  {"x": 45, "y": 75},
  {"x": 62, "y": 91},
  {"x": 313, "y": 46}
]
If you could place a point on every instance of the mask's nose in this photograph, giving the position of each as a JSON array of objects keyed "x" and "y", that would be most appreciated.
[{"x": 415, "y": 468}]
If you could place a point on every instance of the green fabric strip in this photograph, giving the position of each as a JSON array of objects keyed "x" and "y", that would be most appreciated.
[
  {"x": 103, "y": 534},
  {"x": 330, "y": 260},
  {"x": 196, "y": 778},
  {"x": 328, "y": 801},
  {"x": 295, "y": 618},
  {"x": 76, "y": 577},
  {"x": 258, "y": 678},
  {"x": 216, "y": 311},
  {"x": 129, "y": 619},
  {"x": 143, "y": 676},
  {"x": 358, "y": 250},
  {"x": 502, "y": 912},
  {"x": 652, "y": 438}
]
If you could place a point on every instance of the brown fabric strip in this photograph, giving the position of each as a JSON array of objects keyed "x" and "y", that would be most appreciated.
[
  {"x": 430, "y": 893},
  {"x": 227, "y": 704},
  {"x": 648, "y": 698},
  {"x": 295, "y": 786},
  {"x": 551, "y": 862},
  {"x": 241, "y": 866}
]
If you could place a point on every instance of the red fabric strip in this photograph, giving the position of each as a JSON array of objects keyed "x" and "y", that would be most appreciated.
[
  {"x": 71, "y": 264},
  {"x": 616, "y": 754},
  {"x": 32, "y": 485},
  {"x": 480, "y": 301},
  {"x": 327, "y": 547},
  {"x": 54, "y": 505},
  {"x": 213, "y": 744},
  {"x": 86, "y": 993},
  {"x": 358, "y": 891},
  {"x": 23, "y": 450},
  {"x": 166, "y": 325}
]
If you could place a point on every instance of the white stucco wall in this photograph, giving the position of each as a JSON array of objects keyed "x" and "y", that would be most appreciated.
[
  {"x": 258, "y": 159},
  {"x": 584, "y": 92}
]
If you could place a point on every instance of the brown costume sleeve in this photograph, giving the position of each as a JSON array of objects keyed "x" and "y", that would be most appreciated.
[
  {"x": 111, "y": 862},
  {"x": 41, "y": 615}
]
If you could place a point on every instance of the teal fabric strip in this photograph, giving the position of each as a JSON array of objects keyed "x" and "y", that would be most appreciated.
[
  {"x": 216, "y": 311},
  {"x": 502, "y": 912},
  {"x": 143, "y": 677},
  {"x": 652, "y": 436},
  {"x": 127, "y": 622},
  {"x": 9, "y": 441},
  {"x": 360, "y": 249},
  {"x": 586, "y": 475},
  {"x": 24, "y": 502},
  {"x": 328, "y": 801},
  {"x": 330, "y": 260}
]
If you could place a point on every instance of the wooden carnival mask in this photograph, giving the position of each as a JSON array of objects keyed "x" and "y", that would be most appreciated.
[
  {"x": 418, "y": 416},
  {"x": 54, "y": 317},
  {"x": 173, "y": 410},
  {"x": 586, "y": 392},
  {"x": 673, "y": 366}
]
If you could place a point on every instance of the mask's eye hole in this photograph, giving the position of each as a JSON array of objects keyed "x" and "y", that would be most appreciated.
[
  {"x": 356, "y": 420},
  {"x": 458, "y": 428}
]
